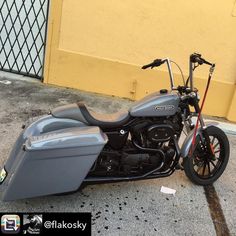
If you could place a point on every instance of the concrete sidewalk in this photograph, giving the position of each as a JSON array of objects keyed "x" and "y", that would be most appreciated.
[{"x": 127, "y": 208}]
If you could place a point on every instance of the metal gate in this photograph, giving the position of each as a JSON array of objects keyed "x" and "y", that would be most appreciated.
[{"x": 23, "y": 25}]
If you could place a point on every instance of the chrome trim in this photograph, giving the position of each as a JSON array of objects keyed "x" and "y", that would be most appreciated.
[{"x": 170, "y": 72}]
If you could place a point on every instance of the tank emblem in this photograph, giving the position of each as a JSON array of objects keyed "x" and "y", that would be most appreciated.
[{"x": 165, "y": 108}]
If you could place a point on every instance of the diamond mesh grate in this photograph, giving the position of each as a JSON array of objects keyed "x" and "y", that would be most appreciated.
[{"x": 23, "y": 25}]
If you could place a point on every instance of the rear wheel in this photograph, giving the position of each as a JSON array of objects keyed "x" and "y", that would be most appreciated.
[{"x": 201, "y": 168}]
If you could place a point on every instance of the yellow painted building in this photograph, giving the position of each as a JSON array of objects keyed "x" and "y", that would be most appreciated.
[{"x": 100, "y": 45}]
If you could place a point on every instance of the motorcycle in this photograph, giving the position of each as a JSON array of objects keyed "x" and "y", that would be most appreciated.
[{"x": 74, "y": 145}]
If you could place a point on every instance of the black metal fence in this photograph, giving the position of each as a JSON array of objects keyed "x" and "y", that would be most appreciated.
[{"x": 23, "y": 26}]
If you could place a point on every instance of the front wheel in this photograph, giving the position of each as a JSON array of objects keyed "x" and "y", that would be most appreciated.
[{"x": 200, "y": 167}]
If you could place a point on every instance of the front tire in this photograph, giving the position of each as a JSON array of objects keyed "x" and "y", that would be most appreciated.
[{"x": 200, "y": 168}]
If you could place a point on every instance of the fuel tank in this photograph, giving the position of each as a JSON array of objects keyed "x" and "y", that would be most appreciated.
[{"x": 163, "y": 103}]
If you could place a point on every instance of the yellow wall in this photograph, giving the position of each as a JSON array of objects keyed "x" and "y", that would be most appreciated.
[
  {"x": 232, "y": 109},
  {"x": 100, "y": 45}
]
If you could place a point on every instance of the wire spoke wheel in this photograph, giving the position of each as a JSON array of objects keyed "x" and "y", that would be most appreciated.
[
  {"x": 204, "y": 165},
  {"x": 203, "y": 168}
]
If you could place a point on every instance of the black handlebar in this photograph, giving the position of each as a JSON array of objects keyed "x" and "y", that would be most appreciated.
[
  {"x": 197, "y": 58},
  {"x": 194, "y": 58},
  {"x": 155, "y": 63}
]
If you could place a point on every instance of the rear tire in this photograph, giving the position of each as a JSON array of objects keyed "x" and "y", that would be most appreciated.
[{"x": 199, "y": 163}]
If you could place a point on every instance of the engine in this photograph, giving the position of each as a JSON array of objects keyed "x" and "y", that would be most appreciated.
[
  {"x": 153, "y": 133},
  {"x": 149, "y": 146}
]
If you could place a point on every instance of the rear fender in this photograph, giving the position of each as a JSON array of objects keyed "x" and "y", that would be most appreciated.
[
  {"x": 69, "y": 145},
  {"x": 42, "y": 125}
]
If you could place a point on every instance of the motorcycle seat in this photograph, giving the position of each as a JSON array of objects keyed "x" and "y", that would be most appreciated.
[{"x": 81, "y": 113}]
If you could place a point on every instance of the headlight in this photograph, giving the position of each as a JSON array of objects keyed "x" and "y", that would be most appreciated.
[{"x": 3, "y": 175}]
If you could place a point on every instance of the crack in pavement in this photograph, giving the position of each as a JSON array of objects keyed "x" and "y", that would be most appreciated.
[{"x": 216, "y": 211}]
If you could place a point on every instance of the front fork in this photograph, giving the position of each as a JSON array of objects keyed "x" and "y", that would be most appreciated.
[{"x": 205, "y": 135}]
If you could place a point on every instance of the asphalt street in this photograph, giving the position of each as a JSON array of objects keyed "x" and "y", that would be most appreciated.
[{"x": 127, "y": 208}]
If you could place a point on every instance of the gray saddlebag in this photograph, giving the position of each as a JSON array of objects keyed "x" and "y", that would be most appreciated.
[{"x": 53, "y": 162}]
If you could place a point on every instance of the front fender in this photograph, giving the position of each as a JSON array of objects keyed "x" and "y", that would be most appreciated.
[{"x": 188, "y": 141}]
